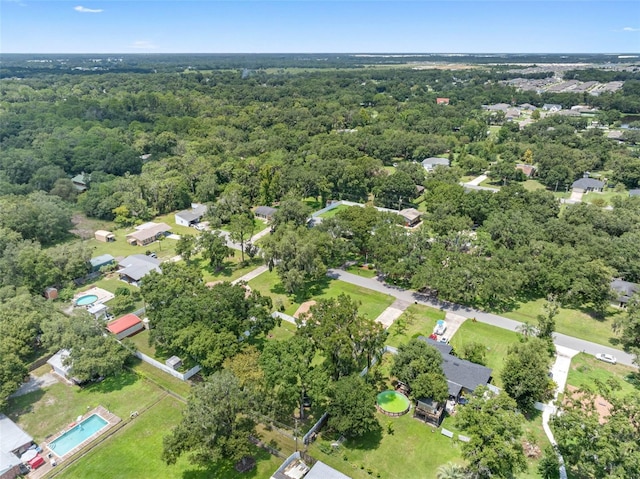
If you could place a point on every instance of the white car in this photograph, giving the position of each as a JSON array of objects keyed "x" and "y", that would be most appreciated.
[{"x": 607, "y": 358}]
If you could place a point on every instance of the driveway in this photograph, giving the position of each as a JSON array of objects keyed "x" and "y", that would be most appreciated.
[{"x": 34, "y": 383}]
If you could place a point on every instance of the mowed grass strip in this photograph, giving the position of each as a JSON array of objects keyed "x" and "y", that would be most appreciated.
[
  {"x": 572, "y": 322},
  {"x": 136, "y": 452}
]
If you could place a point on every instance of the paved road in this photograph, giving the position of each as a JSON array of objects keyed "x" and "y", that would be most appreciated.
[{"x": 488, "y": 318}]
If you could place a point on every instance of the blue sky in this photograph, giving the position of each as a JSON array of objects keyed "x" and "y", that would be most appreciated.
[{"x": 308, "y": 26}]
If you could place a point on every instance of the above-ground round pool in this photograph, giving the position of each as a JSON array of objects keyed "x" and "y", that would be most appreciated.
[
  {"x": 392, "y": 403},
  {"x": 86, "y": 300}
]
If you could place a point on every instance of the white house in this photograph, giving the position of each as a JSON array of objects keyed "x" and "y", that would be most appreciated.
[
  {"x": 57, "y": 363},
  {"x": 430, "y": 164},
  {"x": 191, "y": 217}
]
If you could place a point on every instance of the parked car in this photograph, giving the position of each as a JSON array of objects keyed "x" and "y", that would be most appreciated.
[
  {"x": 443, "y": 339},
  {"x": 607, "y": 358}
]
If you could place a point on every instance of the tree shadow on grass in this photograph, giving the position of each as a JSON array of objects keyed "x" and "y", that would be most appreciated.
[
  {"x": 368, "y": 442},
  {"x": 20, "y": 405},
  {"x": 113, "y": 383},
  {"x": 633, "y": 379},
  {"x": 225, "y": 469}
]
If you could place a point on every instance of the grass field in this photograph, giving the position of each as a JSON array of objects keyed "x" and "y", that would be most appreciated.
[
  {"x": 415, "y": 321},
  {"x": 362, "y": 271},
  {"x": 572, "y": 322},
  {"x": 372, "y": 302},
  {"x": 496, "y": 339},
  {"x": 587, "y": 371},
  {"x": 533, "y": 185},
  {"x": 135, "y": 452},
  {"x": 45, "y": 412},
  {"x": 412, "y": 451}
]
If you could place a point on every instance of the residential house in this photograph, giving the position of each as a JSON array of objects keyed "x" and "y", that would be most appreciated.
[
  {"x": 615, "y": 135},
  {"x": 265, "y": 212},
  {"x": 126, "y": 326},
  {"x": 512, "y": 114},
  {"x": 135, "y": 267},
  {"x": 586, "y": 184},
  {"x": 101, "y": 261},
  {"x": 191, "y": 217},
  {"x": 411, "y": 216},
  {"x": 634, "y": 192},
  {"x": 497, "y": 107},
  {"x": 623, "y": 290},
  {"x": 462, "y": 376},
  {"x": 81, "y": 181},
  {"x": 429, "y": 411},
  {"x": 104, "y": 236},
  {"x": 419, "y": 189},
  {"x": 295, "y": 467},
  {"x": 430, "y": 164},
  {"x": 442, "y": 101},
  {"x": 528, "y": 107},
  {"x": 551, "y": 107},
  {"x": 13, "y": 443},
  {"x": 148, "y": 233},
  {"x": 528, "y": 170}
]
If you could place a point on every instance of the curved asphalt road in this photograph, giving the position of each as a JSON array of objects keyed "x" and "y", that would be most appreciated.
[{"x": 488, "y": 318}]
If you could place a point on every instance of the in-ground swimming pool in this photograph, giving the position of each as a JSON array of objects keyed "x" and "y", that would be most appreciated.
[
  {"x": 393, "y": 403},
  {"x": 77, "y": 435},
  {"x": 86, "y": 300}
]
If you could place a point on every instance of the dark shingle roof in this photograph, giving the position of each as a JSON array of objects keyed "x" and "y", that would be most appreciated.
[
  {"x": 585, "y": 183},
  {"x": 624, "y": 289},
  {"x": 265, "y": 211}
]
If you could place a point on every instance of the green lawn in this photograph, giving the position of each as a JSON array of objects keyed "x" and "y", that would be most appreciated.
[
  {"x": 165, "y": 249},
  {"x": 231, "y": 270},
  {"x": 372, "y": 303},
  {"x": 362, "y": 271},
  {"x": 334, "y": 211},
  {"x": 572, "y": 322},
  {"x": 135, "y": 452},
  {"x": 412, "y": 451},
  {"x": 533, "y": 185},
  {"x": 588, "y": 371},
  {"x": 607, "y": 196},
  {"x": 45, "y": 412},
  {"x": 415, "y": 321},
  {"x": 496, "y": 339}
]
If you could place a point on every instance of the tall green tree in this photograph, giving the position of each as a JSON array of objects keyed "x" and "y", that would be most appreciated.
[
  {"x": 351, "y": 407},
  {"x": 420, "y": 366},
  {"x": 494, "y": 427},
  {"x": 241, "y": 228},
  {"x": 214, "y": 247},
  {"x": 525, "y": 374},
  {"x": 215, "y": 424}
]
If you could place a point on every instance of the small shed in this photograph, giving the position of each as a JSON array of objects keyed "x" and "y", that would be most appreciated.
[
  {"x": 101, "y": 261},
  {"x": 429, "y": 411},
  {"x": 411, "y": 216},
  {"x": 51, "y": 293},
  {"x": 104, "y": 236},
  {"x": 57, "y": 363},
  {"x": 98, "y": 310},
  {"x": 127, "y": 325},
  {"x": 174, "y": 362}
]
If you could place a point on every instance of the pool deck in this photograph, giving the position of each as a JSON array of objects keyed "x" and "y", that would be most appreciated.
[
  {"x": 102, "y": 294},
  {"x": 50, "y": 456}
]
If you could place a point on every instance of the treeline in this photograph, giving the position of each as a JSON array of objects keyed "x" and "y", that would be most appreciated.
[{"x": 596, "y": 74}]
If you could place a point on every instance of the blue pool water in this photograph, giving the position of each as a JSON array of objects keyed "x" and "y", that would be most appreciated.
[
  {"x": 86, "y": 300},
  {"x": 76, "y": 436}
]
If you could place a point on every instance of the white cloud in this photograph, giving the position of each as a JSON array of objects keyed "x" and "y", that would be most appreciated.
[
  {"x": 630, "y": 29},
  {"x": 143, "y": 45},
  {"x": 82, "y": 9}
]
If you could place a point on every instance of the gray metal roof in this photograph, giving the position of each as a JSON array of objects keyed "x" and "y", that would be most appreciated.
[
  {"x": 101, "y": 260},
  {"x": 11, "y": 436},
  {"x": 57, "y": 360},
  {"x": 435, "y": 161},
  {"x": 138, "y": 266},
  {"x": 634, "y": 192},
  {"x": 321, "y": 471},
  {"x": 194, "y": 214}
]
